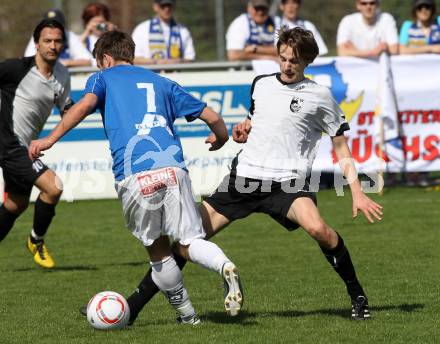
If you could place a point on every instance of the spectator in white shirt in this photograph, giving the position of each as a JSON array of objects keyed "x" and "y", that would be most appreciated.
[
  {"x": 368, "y": 32},
  {"x": 290, "y": 18},
  {"x": 162, "y": 40},
  {"x": 251, "y": 35},
  {"x": 74, "y": 53}
]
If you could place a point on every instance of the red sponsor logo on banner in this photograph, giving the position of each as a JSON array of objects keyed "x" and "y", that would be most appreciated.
[
  {"x": 414, "y": 148},
  {"x": 156, "y": 180}
]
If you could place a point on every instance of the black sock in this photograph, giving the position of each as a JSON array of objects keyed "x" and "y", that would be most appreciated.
[
  {"x": 7, "y": 220},
  {"x": 146, "y": 290},
  {"x": 340, "y": 259},
  {"x": 43, "y": 215}
]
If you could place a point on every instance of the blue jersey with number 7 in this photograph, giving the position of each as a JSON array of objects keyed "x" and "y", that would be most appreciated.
[{"x": 138, "y": 109}]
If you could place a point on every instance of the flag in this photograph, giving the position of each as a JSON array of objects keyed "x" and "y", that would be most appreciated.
[{"x": 386, "y": 114}]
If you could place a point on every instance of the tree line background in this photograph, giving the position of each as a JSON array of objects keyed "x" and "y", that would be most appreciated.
[{"x": 19, "y": 17}]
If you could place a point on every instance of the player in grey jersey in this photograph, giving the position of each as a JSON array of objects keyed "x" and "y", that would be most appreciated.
[
  {"x": 287, "y": 117},
  {"x": 30, "y": 87}
]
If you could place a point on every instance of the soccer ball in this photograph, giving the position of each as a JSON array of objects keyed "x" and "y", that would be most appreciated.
[{"x": 108, "y": 310}]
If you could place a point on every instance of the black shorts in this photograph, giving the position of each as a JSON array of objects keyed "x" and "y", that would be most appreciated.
[
  {"x": 19, "y": 171},
  {"x": 275, "y": 201}
]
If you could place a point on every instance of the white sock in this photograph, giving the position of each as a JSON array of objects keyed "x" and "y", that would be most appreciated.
[
  {"x": 168, "y": 278},
  {"x": 35, "y": 236},
  {"x": 207, "y": 254}
]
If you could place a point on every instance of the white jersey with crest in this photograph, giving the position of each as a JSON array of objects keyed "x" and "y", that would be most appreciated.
[{"x": 287, "y": 124}]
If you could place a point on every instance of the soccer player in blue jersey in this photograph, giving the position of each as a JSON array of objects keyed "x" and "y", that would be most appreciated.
[{"x": 138, "y": 109}]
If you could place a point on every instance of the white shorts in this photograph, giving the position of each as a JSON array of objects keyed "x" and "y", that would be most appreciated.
[{"x": 160, "y": 202}]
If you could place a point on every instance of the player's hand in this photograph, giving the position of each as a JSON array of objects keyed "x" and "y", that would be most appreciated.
[
  {"x": 214, "y": 142},
  {"x": 38, "y": 146},
  {"x": 369, "y": 208},
  {"x": 241, "y": 131}
]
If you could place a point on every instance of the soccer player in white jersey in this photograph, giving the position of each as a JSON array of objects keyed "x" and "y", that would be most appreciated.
[
  {"x": 287, "y": 116},
  {"x": 138, "y": 108},
  {"x": 29, "y": 89}
]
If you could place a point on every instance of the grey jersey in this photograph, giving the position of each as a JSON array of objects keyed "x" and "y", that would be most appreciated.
[
  {"x": 27, "y": 98},
  {"x": 287, "y": 124}
]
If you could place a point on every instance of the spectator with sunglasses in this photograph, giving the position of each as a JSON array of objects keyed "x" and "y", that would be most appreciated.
[
  {"x": 251, "y": 35},
  {"x": 162, "y": 40},
  {"x": 368, "y": 32},
  {"x": 422, "y": 34}
]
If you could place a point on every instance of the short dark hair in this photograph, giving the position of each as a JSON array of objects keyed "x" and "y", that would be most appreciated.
[
  {"x": 51, "y": 23},
  {"x": 117, "y": 44},
  {"x": 301, "y": 41}
]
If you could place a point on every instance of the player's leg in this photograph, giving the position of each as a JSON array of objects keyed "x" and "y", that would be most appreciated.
[
  {"x": 50, "y": 192},
  {"x": 213, "y": 222},
  {"x": 168, "y": 277},
  {"x": 16, "y": 168},
  {"x": 304, "y": 211},
  {"x": 21, "y": 174},
  {"x": 44, "y": 210},
  {"x": 211, "y": 257},
  {"x": 13, "y": 207},
  {"x": 192, "y": 245},
  {"x": 217, "y": 211}
]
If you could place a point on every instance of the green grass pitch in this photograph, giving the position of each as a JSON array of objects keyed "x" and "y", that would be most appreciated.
[{"x": 291, "y": 293}]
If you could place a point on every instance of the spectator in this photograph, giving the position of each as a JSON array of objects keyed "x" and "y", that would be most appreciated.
[
  {"x": 74, "y": 54},
  {"x": 251, "y": 35},
  {"x": 290, "y": 10},
  {"x": 422, "y": 34},
  {"x": 368, "y": 32},
  {"x": 96, "y": 20},
  {"x": 162, "y": 39}
]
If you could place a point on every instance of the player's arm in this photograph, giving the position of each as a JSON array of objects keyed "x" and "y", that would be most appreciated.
[
  {"x": 361, "y": 202},
  {"x": 215, "y": 122},
  {"x": 70, "y": 119}
]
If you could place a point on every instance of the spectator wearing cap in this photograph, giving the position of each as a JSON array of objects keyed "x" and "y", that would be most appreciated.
[
  {"x": 162, "y": 39},
  {"x": 367, "y": 33},
  {"x": 251, "y": 36},
  {"x": 422, "y": 34},
  {"x": 96, "y": 20},
  {"x": 290, "y": 18},
  {"x": 74, "y": 54}
]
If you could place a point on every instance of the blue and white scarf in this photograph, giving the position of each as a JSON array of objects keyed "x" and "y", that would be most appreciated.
[{"x": 160, "y": 47}]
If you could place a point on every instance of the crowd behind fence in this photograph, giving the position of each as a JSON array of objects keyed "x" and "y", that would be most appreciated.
[{"x": 18, "y": 19}]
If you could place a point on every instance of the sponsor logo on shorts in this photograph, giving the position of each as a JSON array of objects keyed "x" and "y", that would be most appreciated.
[{"x": 156, "y": 180}]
